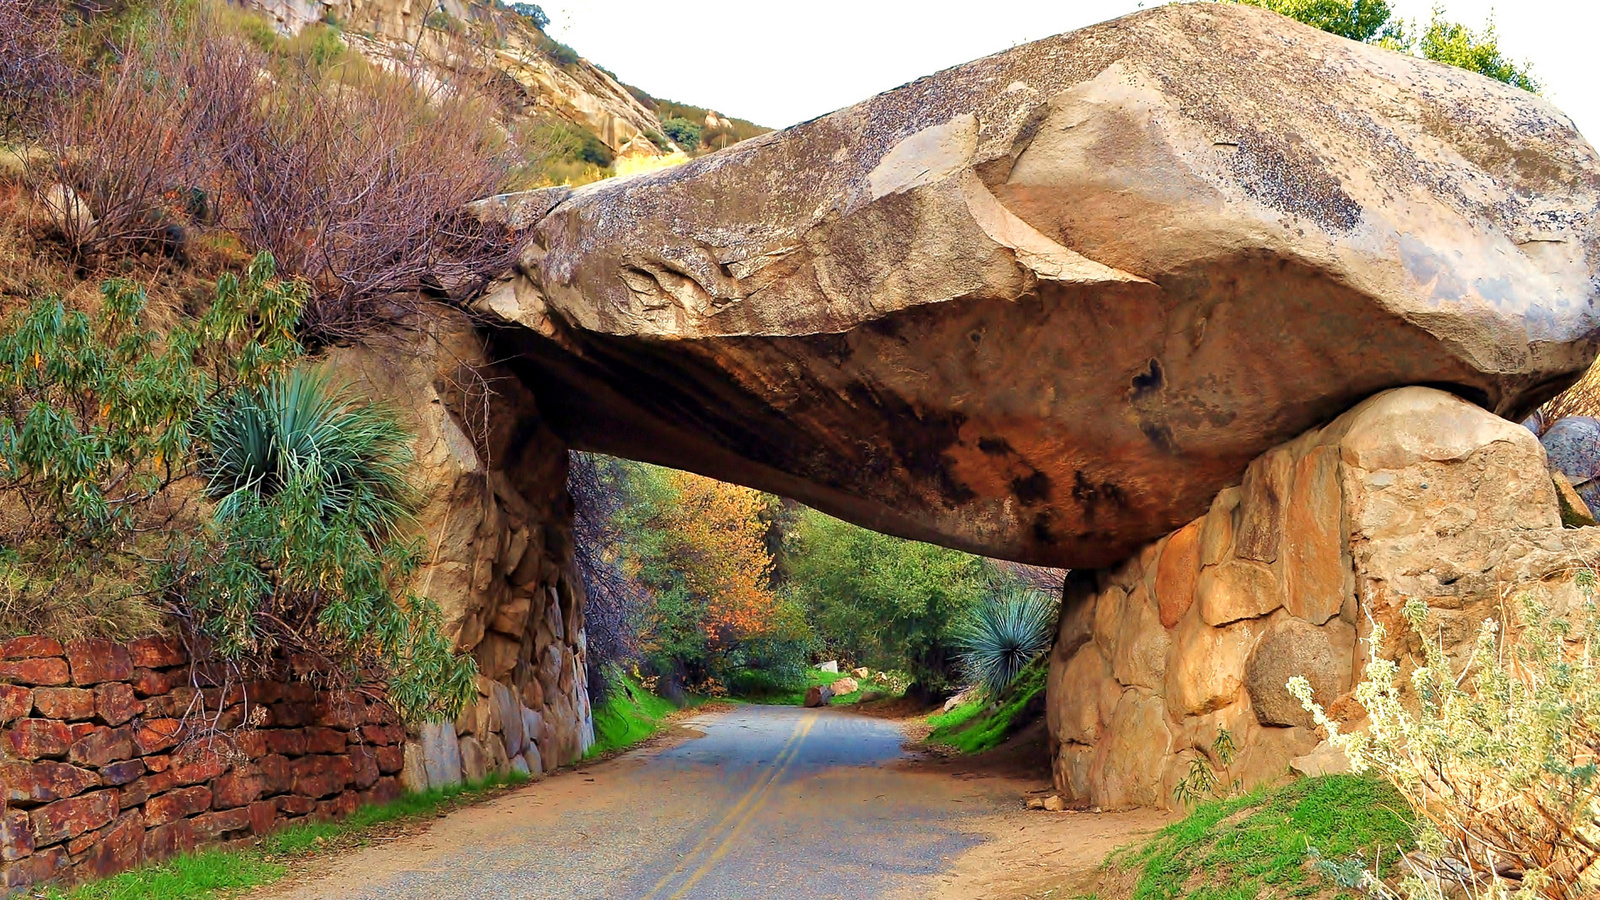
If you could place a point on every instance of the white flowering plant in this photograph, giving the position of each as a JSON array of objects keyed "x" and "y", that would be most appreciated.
[{"x": 1497, "y": 755}]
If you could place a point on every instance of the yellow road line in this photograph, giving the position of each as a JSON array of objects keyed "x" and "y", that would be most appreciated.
[
  {"x": 733, "y": 834},
  {"x": 778, "y": 764}
]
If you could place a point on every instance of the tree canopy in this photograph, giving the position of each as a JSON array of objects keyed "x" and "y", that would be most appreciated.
[{"x": 1444, "y": 41}]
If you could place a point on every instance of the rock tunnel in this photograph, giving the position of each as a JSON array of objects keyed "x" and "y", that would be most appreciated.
[{"x": 1059, "y": 306}]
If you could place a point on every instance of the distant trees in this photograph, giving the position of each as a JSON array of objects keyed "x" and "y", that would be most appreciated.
[
  {"x": 682, "y": 132},
  {"x": 533, "y": 12},
  {"x": 1373, "y": 22},
  {"x": 1367, "y": 21},
  {"x": 691, "y": 562},
  {"x": 713, "y": 586},
  {"x": 885, "y": 601}
]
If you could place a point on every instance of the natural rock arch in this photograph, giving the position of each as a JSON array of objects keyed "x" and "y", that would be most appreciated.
[{"x": 1043, "y": 306}]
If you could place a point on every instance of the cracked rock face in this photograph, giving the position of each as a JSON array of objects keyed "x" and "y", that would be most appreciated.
[{"x": 1044, "y": 305}]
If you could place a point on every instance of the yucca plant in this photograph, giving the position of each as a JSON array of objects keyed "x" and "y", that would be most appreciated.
[
  {"x": 308, "y": 550},
  {"x": 1005, "y": 633},
  {"x": 301, "y": 428}
]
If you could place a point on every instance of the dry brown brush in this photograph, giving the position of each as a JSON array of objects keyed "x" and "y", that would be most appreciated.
[
  {"x": 31, "y": 67},
  {"x": 353, "y": 175},
  {"x": 358, "y": 188}
]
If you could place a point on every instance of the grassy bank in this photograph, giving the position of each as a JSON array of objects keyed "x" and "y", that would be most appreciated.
[
  {"x": 1306, "y": 839},
  {"x": 219, "y": 873},
  {"x": 629, "y": 715},
  {"x": 795, "y": 694},
  {"x": 980, "y": 724}
]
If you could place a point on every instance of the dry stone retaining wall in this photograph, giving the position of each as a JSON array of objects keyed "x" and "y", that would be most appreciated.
[
  {"x": 496, "y": 526},
  {"x": 113, "y": 754},
  {"x": 1414, "y": 494}
]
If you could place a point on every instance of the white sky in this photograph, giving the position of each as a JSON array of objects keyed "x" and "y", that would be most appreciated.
[{"x": 778, "y": 63}]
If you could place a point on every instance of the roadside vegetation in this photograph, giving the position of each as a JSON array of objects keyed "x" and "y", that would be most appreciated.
[
  {"x": 983, "y": 721},
  {"x": 221, "y": 872},
  {"x": 1301, "y": 840},
  {"x": 718, "y": 591},
  {"x": 628, "y": 715}
]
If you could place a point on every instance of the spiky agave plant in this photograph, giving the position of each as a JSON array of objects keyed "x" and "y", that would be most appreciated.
[
  {"x": 301, "y": 429},
  {"x": 1005, "y": 633}
]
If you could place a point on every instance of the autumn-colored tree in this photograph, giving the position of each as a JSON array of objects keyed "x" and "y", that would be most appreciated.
[
  {"x": 701, "y": 548},
  {"x": 719, "y": 536}
]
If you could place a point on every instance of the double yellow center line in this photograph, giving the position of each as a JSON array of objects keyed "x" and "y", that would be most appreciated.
[{"x": 719, "y": 840}]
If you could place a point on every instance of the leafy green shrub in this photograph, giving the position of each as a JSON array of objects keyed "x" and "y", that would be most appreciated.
[
  {"x": 96, "y": 415},
  {"x": 1008, "y": 630},
  {"x": 682, "y": 132},
  {"x": 102, "y": 418},
  {"x": 1499, "y": 762},
  {"x": 311, "y": 489},
  {"x": 1202, "y": 782}
]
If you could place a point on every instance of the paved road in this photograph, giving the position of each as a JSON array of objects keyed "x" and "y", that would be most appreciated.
[{"x": 772, "y": 802}]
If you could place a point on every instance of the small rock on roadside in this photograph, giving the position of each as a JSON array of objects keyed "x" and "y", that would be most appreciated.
[
  {"x": 1052, "y": 803},
  {"x": 862, "y": 672},
  {"x": 818, "y": 695}
]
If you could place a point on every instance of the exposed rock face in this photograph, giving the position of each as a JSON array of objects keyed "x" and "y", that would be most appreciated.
[
  {"x": 497, "y": 527},
  {"x": 1045, "y": 305},
  {"x": 1414, "y": 494},
  {"x": 580, "y": 93}
]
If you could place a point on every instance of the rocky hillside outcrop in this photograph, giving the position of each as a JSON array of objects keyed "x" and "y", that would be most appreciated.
[
  {"x": 1045, "y": 305},
  {"x": 577, "y": 91}
]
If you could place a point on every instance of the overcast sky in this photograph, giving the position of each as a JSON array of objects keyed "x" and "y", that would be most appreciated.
[{"x": 779, "y": 62}]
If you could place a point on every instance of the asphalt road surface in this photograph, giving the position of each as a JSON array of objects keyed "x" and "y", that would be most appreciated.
[{"x": 770, "y": 803}]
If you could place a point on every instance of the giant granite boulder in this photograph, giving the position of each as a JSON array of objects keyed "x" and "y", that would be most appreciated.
[{"x": 1044, "y": 305}]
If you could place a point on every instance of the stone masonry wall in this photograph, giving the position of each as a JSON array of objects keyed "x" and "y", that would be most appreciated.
[
  {"x": 1414, "y": 494},
  {"x": 113, "y": 754},
  {"x": 496, "y": 527}
]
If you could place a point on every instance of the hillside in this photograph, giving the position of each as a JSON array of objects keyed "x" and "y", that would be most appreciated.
[{"x": 575, "y": 118}]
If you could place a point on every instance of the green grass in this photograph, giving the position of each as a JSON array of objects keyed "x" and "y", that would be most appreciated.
[
  {"x": 1259, "y": 845},
  {"x": 629, "y": 715},
  {"x": 189, "y": 877},
  {"x": 220, "y": 873},
  {"x": 795, "y": 695},
  {"x": 979, "y": 724}
]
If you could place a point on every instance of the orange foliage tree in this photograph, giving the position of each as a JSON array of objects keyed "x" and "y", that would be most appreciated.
[
  {"x": 720, "y": 539},
  {"x": 701, "y": 548}
]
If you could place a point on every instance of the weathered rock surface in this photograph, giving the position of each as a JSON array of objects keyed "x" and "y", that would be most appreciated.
[
  {"x": 1573, "y": 445},
  {"x": 1046, "y": 304},
  {"x": 1413, "y": 494},
  {"x": 580, "y": 92},
  {"x": 496, "y": 522}
]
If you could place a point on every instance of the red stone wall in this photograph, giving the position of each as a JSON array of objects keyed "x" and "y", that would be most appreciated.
[{"x": 113, "y": 754}]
